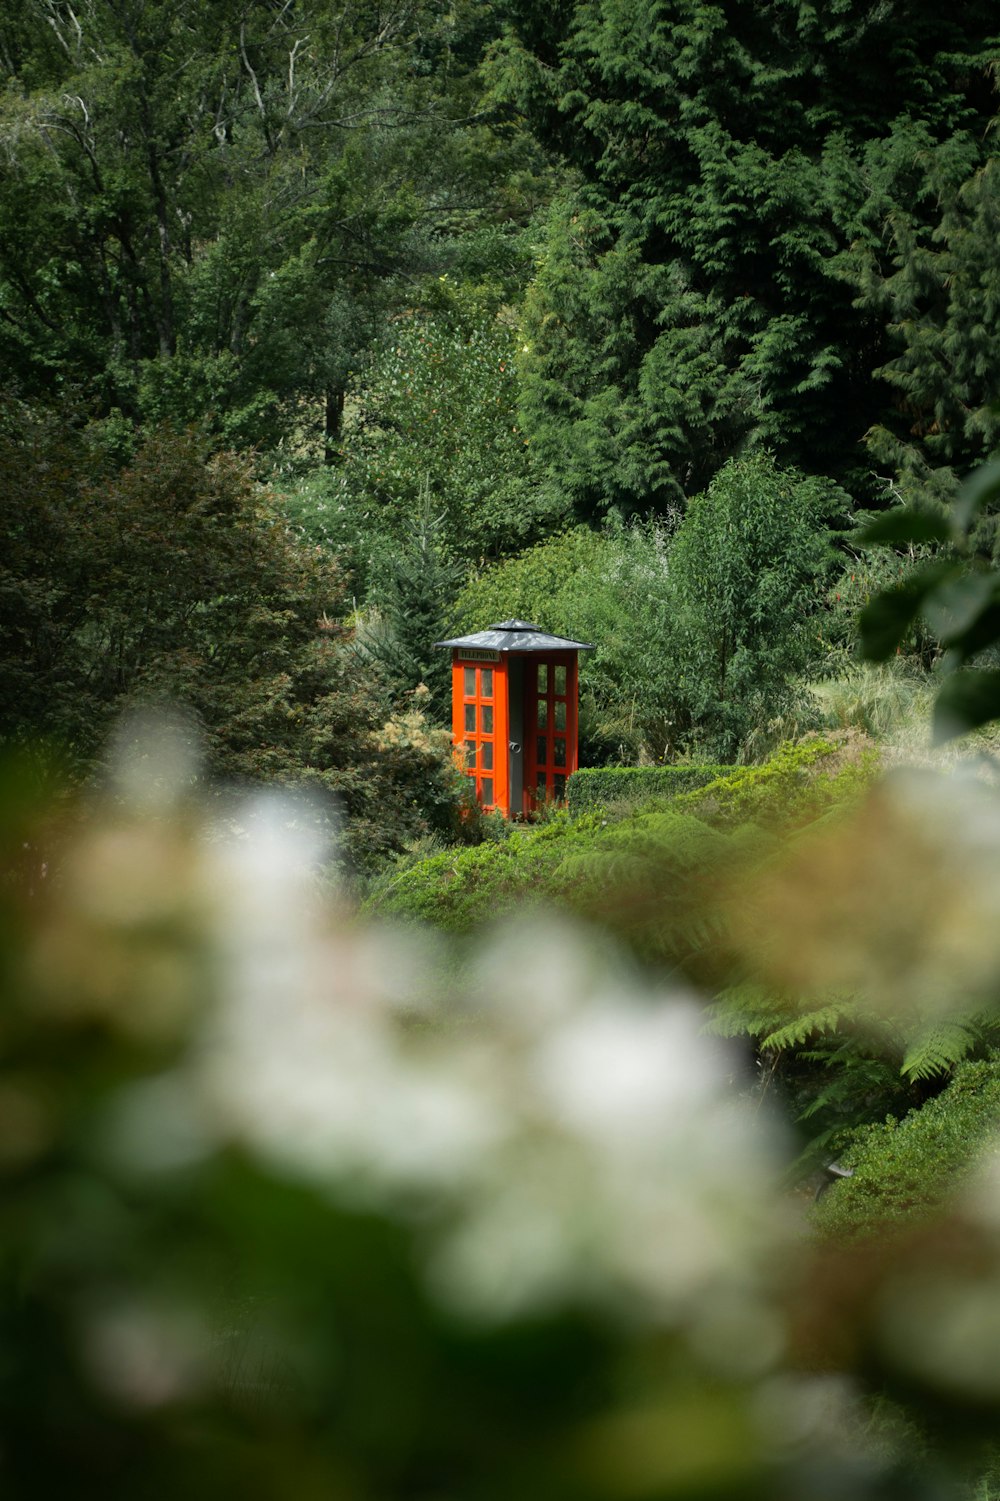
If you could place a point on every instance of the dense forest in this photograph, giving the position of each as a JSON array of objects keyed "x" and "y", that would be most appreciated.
[{"x": 333, "y": 328}]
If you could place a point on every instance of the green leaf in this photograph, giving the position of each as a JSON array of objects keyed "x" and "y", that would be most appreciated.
[
  {"x": 903, "y": 526},
  {"x": 981, "y": 487},
  {"x": 936, "y": 1050},
  {"x": 886, "y": 619},
  {"x": 954, "y": 607},
  {"x": 964, "y": 702}
]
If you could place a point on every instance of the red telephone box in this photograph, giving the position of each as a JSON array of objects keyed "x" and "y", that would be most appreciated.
[{"x": 515, "y": 695}]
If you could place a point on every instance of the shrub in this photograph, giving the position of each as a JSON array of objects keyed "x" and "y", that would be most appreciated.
[
  {"x": 595, "y": 787},
  {"x": 651, "y": 880},
  {"x": 802, "y": 781},
  {"x": 905, "y": 1169}
]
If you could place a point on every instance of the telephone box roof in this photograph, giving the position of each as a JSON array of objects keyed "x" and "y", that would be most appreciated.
[{"x": 516, "y": 635}]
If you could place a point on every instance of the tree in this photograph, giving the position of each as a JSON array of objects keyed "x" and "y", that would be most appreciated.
[
  {"x": 692, "y": 298},
  {"x": 610, "y": 588},
  {"x": 747, "y": 571},
  {"x": 939, "y": 296},
  {"x": 434, "y": 415},
  {"x": 207, "y": 209},
  {"x": 177, "y": 580}
]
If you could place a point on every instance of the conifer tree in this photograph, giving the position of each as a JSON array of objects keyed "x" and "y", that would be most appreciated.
[{"x": 693, "y": 296}]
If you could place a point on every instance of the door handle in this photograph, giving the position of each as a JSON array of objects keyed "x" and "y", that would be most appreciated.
[{"x": 514, "y": 747}]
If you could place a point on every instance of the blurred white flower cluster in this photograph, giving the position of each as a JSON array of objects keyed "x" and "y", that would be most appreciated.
[
  {"x": 555, "y": 1132},
  {"x": 564, "y": 1134}
]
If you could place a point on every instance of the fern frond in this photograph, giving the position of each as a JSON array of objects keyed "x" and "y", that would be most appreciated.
[
  {"x": 744, "y": 1011},
  {"x": 937, "y": 1049},
  {"x": 807, "y": 1024}
]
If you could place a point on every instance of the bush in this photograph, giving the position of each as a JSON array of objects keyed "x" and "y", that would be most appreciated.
[
  {"x": 904, "y": 1170},
  {"x": 595, "y": 787},
  {"x": 609, "y": 588},
  {"x": 802, "y": 781},
  {"x": 651, "y": 880},
  {"x": 460, "y": 890}
]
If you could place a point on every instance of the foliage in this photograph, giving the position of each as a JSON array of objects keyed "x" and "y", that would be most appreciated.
[
  {"x": 956, "y": 592},
  {"x": 697, "y": 290},
  {"x": 651, "y": 874},
  {"x": 595, "y": 787},
  {"x": 747, "y": 570},
  {"x": 432, "y": 420},
  {"x": 699, "y": 634},
  {"x": 175, "y": 580},
  {"x": 609, "y": 588},
  {"x": 208, "y": 212},
  {"x": 649, "y": 880},
  {"x": 878, "y": 700},
  {"x": 416, "y": 599},
  {"x": 906, "y": 1169},
  {"x": 937, "y": 296},
  {"x": 796, "y": 785},
  {"x": 824, "y": 1065}
]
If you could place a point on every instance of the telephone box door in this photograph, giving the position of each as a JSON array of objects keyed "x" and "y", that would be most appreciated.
[
  {"x": 550, "y": 727},
  {"x": 479, "y": 706}
]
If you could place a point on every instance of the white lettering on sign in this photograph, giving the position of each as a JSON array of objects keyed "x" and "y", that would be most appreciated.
[{"x": 477, "y": 654}]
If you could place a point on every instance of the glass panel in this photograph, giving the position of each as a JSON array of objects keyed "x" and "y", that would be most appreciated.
[
  {"x": 470, "y": 716},
  {"x": 559, "y": 753},
  {"x": 540, "y": 783},
  {"x": 543, "y": 678},
  {"x": 470, "y": 754},
  {"x": 541, "y": 750},
  {"x": 486, "y": 790},
  {"x": 486, "y": 716},
  {"x": 486, "y": 683},
  {"x": 486, "y": 756},
  {"x": 560, "y": 713},
  {"x": 560, "y": 677},
  {"x": 470, "y": 682},
  {"x": 543, "y": 714},
  {"x": 559, "y": 787}
]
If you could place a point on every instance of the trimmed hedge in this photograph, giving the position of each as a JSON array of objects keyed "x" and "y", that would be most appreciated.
[{"x": 596, "y": 786}]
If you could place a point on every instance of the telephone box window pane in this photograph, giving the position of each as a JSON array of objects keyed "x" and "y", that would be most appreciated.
[
  {"x": 470, "y": 717},
  {"x": 486, "y": 715},
  {"x": 486, "y": 756},
  {"x": 541, "y": 750},
  {"x": 560, "y": 677},
  {"x": 543, "y": 678},
  {"x": 540, "y": 783},
  {"x": 559, "y": 787},
  {"x": 486, "y": 689},
  {"x": 560, "y": 712},
  {"x": 559, "y": 753},
  {"x": 543, "y": 714},
  {"x": 470, "y": 682},
  {"x": 470, "y": 754},
  {"x": 486, "y": 789}
]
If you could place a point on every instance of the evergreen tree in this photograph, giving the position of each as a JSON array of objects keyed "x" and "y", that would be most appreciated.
[
  {"x": 940, "y": 296},
  {"x": 693, "y": 297},
  {"x": 747, "y": 572}
]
